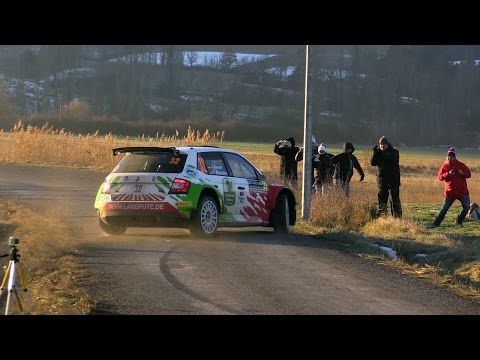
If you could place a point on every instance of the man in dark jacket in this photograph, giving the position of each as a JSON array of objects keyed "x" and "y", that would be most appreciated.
[
  {"x": 454, "y": 173},
  {"x": 288, "y": 165},
  {"x": 344, "y": 164},
  {"x": 388, "y": 176}
]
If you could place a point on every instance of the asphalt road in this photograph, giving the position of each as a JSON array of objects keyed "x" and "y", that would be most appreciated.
[{"x": 242, "y": 271}]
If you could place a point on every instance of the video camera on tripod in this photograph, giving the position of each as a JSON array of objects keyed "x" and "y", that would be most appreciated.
[
  {"x": 13, "y": 241},
  {"x": 14, "y": 270}
]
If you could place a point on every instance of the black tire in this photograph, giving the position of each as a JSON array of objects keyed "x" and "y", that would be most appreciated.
[
  {"x": 281, "y": 215},
  {"x": 111, "y": 229},
  {"x": 205, "y": 219}
]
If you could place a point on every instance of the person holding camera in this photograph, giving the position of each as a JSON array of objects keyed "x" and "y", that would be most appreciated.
[
  {"x": 387, "y": 159},
  {"x": 454, "y": 173},
  {"x": 287, "y": 150}
]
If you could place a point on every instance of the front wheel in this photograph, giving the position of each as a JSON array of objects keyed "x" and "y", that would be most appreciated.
[
  {"x": 205, "y": 218},
  {"x": 111, "y": 229},
  {"x": 281, "y": 215}
]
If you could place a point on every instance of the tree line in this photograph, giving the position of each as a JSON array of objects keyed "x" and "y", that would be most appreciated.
[{"x": 419, "y": 94}]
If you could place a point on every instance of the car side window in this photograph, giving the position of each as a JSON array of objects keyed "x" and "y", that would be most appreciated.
[
  {"x": 213, "y": 164},
  {"x": 240, "y": 167}
]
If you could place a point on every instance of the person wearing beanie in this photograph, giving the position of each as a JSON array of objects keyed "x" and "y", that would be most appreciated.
[
  {"x": 321, "y": 170},
  {"x": 383, "y": 140},
  {"x": 387, "y": 159},
  {"x": 344, "y": 164},
  {"x": 322, "y": 149},
  {"x": 451, "y": 152},
  {"x": 454, "y": 174}
]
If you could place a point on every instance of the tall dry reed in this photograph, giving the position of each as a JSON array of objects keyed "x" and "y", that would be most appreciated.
[{"x": 46, "y": 145}]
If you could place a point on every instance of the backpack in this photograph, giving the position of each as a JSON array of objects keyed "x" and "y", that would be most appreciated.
[{"x": 474, "y": 212}]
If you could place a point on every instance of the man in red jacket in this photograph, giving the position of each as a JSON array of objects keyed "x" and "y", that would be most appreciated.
[{"x": 454, "y": 173}]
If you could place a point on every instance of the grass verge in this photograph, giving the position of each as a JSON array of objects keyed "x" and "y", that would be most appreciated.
[
  {"x": 448, "y": 256},
  {"x": 52, "y": 273}
]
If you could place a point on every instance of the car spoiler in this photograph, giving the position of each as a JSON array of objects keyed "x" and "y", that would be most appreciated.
[
  {"x": 211, "y": 146},
  {"x": 144, "y": 150}
]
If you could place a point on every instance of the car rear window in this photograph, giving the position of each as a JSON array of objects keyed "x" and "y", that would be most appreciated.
[{"x": 152, "y": 163}]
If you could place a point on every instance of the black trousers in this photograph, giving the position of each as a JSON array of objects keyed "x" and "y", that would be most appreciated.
[{"x": 383, "y": 192}]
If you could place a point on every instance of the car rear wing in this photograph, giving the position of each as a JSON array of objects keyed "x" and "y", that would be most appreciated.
[{"x": 145, "y": 150}]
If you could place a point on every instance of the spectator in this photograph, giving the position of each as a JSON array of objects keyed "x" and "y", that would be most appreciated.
[
  {"x": 454, "y": 174},
  {"x": 388, "y": 176},
  {"x": 288, "y": 166},
  {"x": 344, "y": 164},
  {"x": 332, "y": 168},
  {"x": 322, "y": 170}
]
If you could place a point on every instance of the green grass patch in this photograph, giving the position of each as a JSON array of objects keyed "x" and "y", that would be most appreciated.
[{"x": 450, "y": 252}]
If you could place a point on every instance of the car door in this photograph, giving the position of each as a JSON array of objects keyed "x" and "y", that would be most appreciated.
[
  {"x": 251, "y": 192},
  {"x": 213, "y": 164}
]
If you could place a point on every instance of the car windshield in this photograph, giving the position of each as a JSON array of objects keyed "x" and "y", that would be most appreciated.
[{"x": 151, "y": 163}]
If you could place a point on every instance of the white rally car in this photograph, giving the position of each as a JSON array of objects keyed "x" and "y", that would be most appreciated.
[{"x": 199, "y": 187}]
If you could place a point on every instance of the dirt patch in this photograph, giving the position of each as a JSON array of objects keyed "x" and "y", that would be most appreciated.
[{"x": 53, "y": 276}]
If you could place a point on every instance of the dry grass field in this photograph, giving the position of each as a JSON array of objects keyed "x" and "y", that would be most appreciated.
[{"x": 449, "y": 255}]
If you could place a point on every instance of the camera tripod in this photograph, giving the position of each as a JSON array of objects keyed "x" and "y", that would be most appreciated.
[{"x": 10, "y": 274}]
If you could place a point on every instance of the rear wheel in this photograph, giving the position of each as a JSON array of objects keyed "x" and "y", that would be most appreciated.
[
  {"x": 111, "y": 229},
  {"x": 205, "y": 218},
  {"x": 281, "y": 215}
]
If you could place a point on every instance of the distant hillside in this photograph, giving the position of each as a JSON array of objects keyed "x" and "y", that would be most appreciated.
[{"x": 359, "y": 91}]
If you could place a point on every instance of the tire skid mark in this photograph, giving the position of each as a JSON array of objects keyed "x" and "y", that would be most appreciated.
[{"x": 172, "y": 279}]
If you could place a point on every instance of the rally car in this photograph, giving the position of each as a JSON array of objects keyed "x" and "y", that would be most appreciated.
[{"x": 199, "y": 187}]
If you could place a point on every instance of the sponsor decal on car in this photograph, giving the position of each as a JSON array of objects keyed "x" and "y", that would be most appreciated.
[
  {"x": 191, "y": 172},
  {"x": 257, "y": 185},
  {"x": 183, "y": 204},
  {"x": 228, "y": 192},
  {"x": 120, "y": 206},
  {"x": 140, "y": 207}
]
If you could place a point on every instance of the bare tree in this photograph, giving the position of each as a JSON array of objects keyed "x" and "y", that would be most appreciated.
[
  {"x": 192, "y": 58},
  {"x": 228, "y": 60}
]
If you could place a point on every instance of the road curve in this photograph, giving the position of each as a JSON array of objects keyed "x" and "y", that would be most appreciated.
[{"x": 247, "y": 271}]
